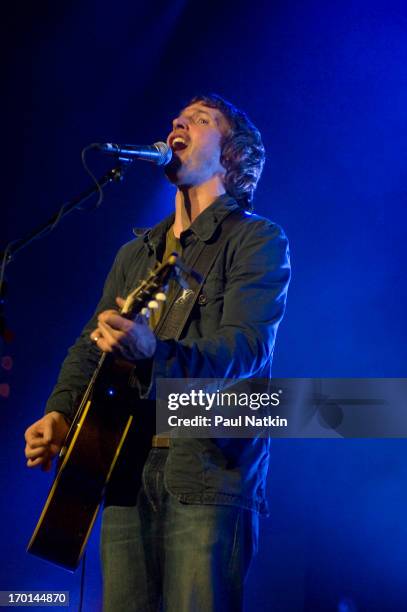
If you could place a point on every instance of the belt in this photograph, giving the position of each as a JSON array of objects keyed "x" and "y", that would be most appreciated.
[{"x": 160, "y": 442}]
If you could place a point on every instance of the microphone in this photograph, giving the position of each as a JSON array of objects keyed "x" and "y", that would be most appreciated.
[{"x": 159, "y": 153}]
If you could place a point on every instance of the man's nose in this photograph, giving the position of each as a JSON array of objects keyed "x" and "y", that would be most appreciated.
[{"x": 180, "y": 122}]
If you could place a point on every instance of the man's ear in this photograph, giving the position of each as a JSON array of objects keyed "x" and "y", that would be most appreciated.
[{"x": 222, "y": 176}]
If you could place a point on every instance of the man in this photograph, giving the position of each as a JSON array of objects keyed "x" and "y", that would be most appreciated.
[{"x": 180, "y": 531}]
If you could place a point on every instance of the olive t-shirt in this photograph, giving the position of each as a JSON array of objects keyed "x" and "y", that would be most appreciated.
[{"x": 171, "y": 244}]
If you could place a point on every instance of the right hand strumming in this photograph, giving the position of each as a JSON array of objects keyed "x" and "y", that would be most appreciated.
[{"x": 44, "y": 440}]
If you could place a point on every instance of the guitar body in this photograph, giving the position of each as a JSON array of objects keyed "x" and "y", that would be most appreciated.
[
  {"x": 93, "y": 443},
  {"x": 92, "y": 449}
]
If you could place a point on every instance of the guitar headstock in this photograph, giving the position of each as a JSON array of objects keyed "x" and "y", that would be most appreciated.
[{"x": 153, "y": 289}]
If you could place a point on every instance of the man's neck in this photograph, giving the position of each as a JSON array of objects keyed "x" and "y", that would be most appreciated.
[{"x": 191, "y": 201}]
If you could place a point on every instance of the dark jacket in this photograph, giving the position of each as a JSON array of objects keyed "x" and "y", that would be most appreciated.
[{"x": 230, "y": 334}]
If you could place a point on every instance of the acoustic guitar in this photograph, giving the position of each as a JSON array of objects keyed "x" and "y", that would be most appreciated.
[{"x": 94, "y": 440}]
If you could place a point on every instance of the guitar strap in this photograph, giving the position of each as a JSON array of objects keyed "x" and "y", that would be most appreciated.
[{"x": 201, "y": 259}]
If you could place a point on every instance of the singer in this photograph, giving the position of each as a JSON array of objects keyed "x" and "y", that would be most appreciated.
[{"x": 180, "y": 520}]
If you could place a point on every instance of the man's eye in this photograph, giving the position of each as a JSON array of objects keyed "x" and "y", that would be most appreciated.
[{"x": 202, "y": 120}]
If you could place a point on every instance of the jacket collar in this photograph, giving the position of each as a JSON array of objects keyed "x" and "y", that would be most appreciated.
[{"x": 203, "y": 227}]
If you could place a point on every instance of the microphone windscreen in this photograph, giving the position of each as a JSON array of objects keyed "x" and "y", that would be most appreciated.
[{"x": 166, "y": 153}]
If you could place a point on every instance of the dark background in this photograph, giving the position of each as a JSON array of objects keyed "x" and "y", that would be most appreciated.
[{"x": 326, "y": 84}]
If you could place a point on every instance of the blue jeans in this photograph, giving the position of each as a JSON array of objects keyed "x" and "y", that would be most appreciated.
[{"x": 162, "y": 554}]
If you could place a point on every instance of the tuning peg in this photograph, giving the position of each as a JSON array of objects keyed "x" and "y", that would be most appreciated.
[{"x": 160, "y": 297}]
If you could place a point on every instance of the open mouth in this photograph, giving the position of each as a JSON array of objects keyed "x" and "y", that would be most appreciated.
[{"x": 178, "y": 143}]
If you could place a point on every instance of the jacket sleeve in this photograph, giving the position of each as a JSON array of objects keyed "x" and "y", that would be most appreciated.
[
  {"x": 84, "y": 355},
  {"x": 254, "y": 304}
]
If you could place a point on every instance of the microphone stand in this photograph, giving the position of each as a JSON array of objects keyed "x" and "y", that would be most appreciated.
[{"x": 115, "y": 174}]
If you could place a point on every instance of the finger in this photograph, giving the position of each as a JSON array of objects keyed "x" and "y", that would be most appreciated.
[
  {"x": 33, "y": 453},
  {"x": 95, "y": 335},
  {"x": 104, "y": 340},
  {"x": 115, "y": 321},
  {"x": 120, "y": 301},
  {"x": 34, "y": 462},
  {"x": 106, "y": 314},
  {"x": 33, "y": 433},
  {"x": 111, "y": 336},
  {"x": 34, "y": 436}
]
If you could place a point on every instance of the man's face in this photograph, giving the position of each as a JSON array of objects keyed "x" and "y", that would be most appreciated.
[{"x": 195, "y": 140}]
